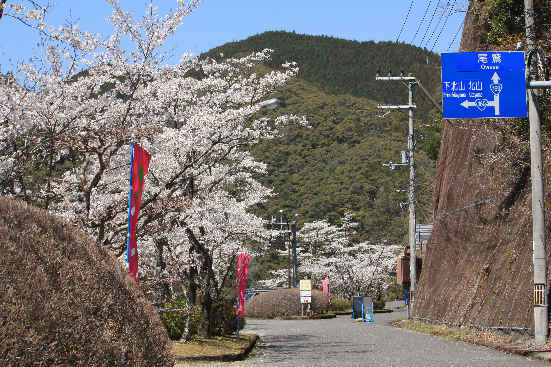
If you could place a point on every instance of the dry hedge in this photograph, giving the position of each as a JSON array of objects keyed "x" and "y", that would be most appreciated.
[
  {"x": 283, "y": 302},
  {"x": 66, "y": 301}
]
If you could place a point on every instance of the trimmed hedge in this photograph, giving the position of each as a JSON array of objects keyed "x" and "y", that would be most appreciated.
[
  {"x": 340, "y": 304},
  {"x": 283, "y": 302},
  {"x": 65, "y": 301}
]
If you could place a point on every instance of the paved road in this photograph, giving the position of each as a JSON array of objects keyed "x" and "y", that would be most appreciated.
[{"x": 341, "y": 342}]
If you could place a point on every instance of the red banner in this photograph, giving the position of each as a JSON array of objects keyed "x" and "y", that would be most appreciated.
[
  {"x": 140, "y": 166},
  {"x": 242, "y": 270},
  {"x": 325, "y": 286}
]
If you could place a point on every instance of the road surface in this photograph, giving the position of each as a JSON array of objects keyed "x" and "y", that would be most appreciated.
[{"x": 342, "y": 342}]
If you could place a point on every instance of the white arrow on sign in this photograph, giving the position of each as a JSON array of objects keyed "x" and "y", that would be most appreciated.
[
  {"x": 482, "y": 103},
  {"x": 466, "y": 103}
]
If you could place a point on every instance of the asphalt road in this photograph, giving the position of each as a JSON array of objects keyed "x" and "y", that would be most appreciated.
[{"x": 342, "y": 342}]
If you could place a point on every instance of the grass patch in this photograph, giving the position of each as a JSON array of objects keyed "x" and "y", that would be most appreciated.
[
  {"x": 508, "y": 342},
  {"x": 203, "y": 347},
  {"x": 443, "y": 331}
]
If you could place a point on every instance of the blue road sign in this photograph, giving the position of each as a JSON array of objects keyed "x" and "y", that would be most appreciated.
[{"x": 483, "y": 84}]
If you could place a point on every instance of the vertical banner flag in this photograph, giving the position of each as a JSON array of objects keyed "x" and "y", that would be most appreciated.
[
  {"x": 325, "y": 286},
  {"x": 242, "y": 270},
  {"x": 139, "y": 165}
]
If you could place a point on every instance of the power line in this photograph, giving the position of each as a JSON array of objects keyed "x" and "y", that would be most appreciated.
[
  {"x": 441, "y": 16},
  {"x": 430, "y": 23},
  {"x": 444, "y": 25},
  {"x": 421, "y": 22},
  {"x": 405, "y": 20},
  {"x": 456, "y": 34}
]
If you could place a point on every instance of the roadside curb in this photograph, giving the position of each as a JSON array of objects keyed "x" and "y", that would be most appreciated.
[
  {"x": 339, "y": 313},
  {"x": 314, "y": 317},
  {"x": 253, "y": 338}
]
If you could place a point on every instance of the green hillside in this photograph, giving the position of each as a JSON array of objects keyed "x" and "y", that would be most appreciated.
[
  {"x": 341, "y": 66},
  {"x": 336, "y": 165}
]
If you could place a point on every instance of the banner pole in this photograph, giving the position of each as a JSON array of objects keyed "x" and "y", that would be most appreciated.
[
  {"x": 130, "y": 200},
  {"x": 237, "y": 326}
]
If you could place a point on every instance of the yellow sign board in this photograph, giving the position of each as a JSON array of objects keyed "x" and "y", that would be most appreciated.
[{"x": 305, "y": 285}]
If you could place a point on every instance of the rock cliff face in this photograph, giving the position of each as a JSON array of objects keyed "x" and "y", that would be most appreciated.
[{"x": 478, "y": 265}]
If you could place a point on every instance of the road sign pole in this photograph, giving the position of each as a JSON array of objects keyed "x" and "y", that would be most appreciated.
[
  {"x": 538, "y": 216},
  {"x": 412, "y": 246}
]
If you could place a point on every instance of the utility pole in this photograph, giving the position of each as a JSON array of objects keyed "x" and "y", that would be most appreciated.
[
  {"x": 411, "y": 82},
  {"x": 291, "y": 245},
  {"x": 288, "y": 247},
  {"x": 412, "y": 244},
  {"x": 294, "y": 244},
  {"x": 538, "y": 215}
]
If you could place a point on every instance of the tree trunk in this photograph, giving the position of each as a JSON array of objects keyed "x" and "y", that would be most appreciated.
[
  {"x": 207, "y": 316},
  {"x": 162, "y": 289},
  {"x": 186, "y": 335},
  {"x": 208, "y": 279}
]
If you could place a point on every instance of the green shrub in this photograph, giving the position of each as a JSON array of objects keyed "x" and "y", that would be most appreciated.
[
  {"x": 340, "y": 304},
  {"x": 175, "y": 322},
  {"x": 225, "y": 318}
]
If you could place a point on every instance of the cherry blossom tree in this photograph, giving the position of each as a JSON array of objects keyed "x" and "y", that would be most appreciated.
[
  {"x": 29, "y": 12},
  {"x": 67, "y": 125},
  {"x": 326, "y": 252}
]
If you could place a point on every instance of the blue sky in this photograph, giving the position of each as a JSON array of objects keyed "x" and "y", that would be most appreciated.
[{"x": 216, "y": 22}]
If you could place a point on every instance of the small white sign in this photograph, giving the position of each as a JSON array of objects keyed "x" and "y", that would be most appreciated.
[
  {"x": 306, "y": 293},
  {"x": 305, "y": 299}
]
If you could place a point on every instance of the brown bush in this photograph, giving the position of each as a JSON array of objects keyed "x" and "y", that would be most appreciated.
[
  {"x": 283, "y": 302},
  {"x": 64, "y": 300}
]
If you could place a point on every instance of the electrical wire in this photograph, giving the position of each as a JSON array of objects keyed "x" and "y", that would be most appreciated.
[
  {"x": 405, "y": 20},
  {"x": 421, "y": 22},
  {"x": 456, "y": 34},
  {"x": 429, "y": 24},
  {"x": 452, "y": 8},
  {"x": 441, "y": 16}
]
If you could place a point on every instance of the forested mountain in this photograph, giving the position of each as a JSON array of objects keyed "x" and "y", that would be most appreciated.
[
  {"x": 341, "y": 66},
  {"x": 336, "y": 165}
]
